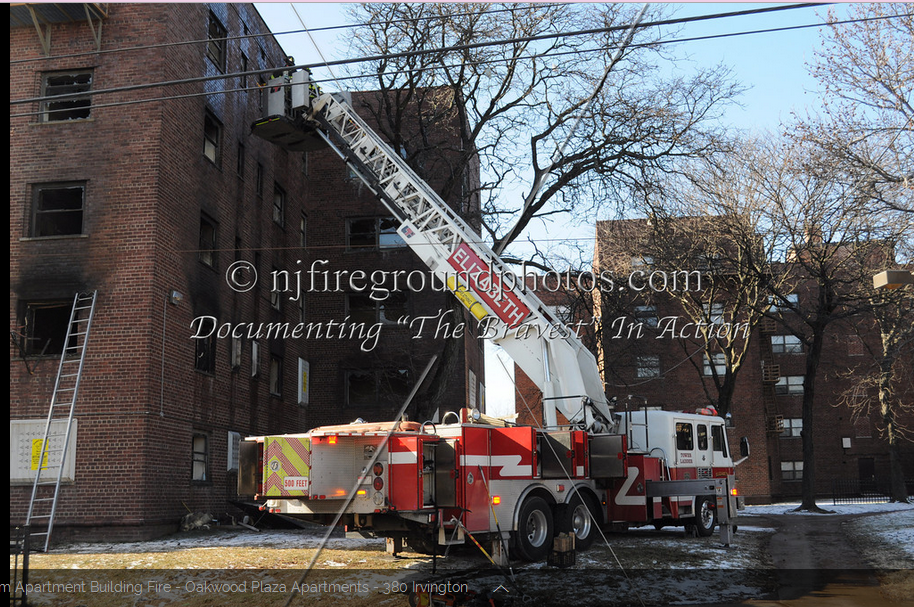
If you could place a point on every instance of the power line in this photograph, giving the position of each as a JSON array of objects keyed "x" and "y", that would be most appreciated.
[
  {"x": 397, "y": 72},
  {"x": 461, "y": 47},
  {"x": 273, "y": 34}
]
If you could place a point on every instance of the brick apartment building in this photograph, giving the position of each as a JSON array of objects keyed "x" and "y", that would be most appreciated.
[
  {"x": 149, "y": 196},
  {"x": 649, "y": 367}
]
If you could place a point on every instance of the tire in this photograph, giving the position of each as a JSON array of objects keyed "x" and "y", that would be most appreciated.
[
  {"x": 581, "y": 517},
  {"x": 534, "y": 530},
  {"x": 705, "y": 516}
]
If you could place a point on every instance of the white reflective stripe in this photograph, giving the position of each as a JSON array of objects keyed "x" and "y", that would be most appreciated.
[
  {"x": 509, "y": 464},
  {"x": 403, "y": 457},
  {"x": 622, "y": 498}
]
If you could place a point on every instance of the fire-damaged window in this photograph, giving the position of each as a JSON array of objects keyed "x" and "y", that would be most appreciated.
[
  {"x": 57, "y": 209},
  {"x": 377, "y": 387},
  {"x": 46, "y": 326},
  {"x": 362, "y": 308},
  {"x": 207, "y": 251},
  {"x": 78, "y": 107},
  {"x": 200, "y": 466},
  {"x": 275, "y": 375},
  {"x": 373, "y": 233},
  {"x": 205, "y": 355}
]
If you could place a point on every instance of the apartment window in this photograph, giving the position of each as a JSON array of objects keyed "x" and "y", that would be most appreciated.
[
  {"x": 373, "y": 233},
  {"x": 279, "y": 205},
  {"x": 713, "y": 313},
  {"x": 685, "y": 438},
  {"x": 716, "y": 365},
  {"x": 364, "y": 309},
  {"x": 788, "y": 302},
  {"x": 207, "y": 251},
  {"x": 791, "y": 384},
  {"x": 303, "y": 231},
  {"x": 200, "y": 458},
  {"x": 855, "y": 346},
  {"x": 647, "y": 366},
  {"x": 255, "y": 359},
  {"x": 205, "y": 359},
  {"x": 244, "y": 68},
  {"x": 216, "y": 44},
  {"x": 258, "y": 181},
  {"x": 57, "y": 209},
  {"x": 46, "y": 327},
  {"x": 212, "y": 138},
  {"x": 275, "y": 375},
  {"x": 786, "y": 344},
  {"x": 647, "y": 315},
  {"x": 792, "y": 427},
  {"x": 377, "y": 387},
  {"x": 304, "y": 163},
  {"x": 792, "y": 471},
  {"x": 641, "y": 261},
  {"x": 239, "y": 167},
  {"x": 237, "y": 345},
  {"x": 68, "y": 83},
  {"x": 276, "y": 294}
]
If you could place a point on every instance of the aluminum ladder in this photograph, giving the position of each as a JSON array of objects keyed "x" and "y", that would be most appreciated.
[{"x": 46, "y": 491}]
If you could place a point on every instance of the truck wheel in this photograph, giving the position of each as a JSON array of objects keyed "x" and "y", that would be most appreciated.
[
  {"x": 534, "y": 530},
  {"x": 705, "y": 516},
  {"x": 581, "y": 517}
]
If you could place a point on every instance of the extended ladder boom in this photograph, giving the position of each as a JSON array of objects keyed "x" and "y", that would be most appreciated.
[{"x": 549, "y": 353}]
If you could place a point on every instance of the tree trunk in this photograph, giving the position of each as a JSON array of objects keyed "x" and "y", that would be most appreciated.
[
  {"x": 898, "y": 490},
  {"x": 809, "y": 388}
]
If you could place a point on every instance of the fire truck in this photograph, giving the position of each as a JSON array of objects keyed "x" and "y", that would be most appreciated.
[{"x": 436, "y": 483}]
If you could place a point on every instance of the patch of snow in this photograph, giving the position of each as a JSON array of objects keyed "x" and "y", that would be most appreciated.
[{"x": 790, "y": 508}]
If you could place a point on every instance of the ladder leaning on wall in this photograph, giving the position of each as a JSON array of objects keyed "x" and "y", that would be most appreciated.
[{"x": 53, "y": 449}]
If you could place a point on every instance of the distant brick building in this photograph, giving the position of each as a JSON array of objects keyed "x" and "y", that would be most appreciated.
[
  {"x": 645, "y": 364},
  {"x": 150, "y": 201}
]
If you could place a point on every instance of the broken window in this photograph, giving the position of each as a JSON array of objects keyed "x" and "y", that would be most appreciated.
[
  {"x": 216, "y": 43},
  {"x": 212, "y": 138},
  {"x": 207, "y": 251},
  {"x": 205, "y": 354},
  {"x": 57, "y": 209},
  {"x": 71, "y": 108},
  {"x": 275, "y": 375},
  {"x": 373, "y": 233},
  {"x": 46, "y": 327}
]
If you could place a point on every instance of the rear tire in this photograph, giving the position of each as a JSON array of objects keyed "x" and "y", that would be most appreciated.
[
  {"x": 705, "y": 516},
  {"x": 534, "y": 530},
  {"x": 581, "y": 517}
]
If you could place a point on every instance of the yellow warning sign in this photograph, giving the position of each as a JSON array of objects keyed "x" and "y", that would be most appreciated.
[
  {"x": 288, "y": 468},
  {"x": 37, "y": 448}
]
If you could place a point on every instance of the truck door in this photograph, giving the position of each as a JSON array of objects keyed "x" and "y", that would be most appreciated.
[
  {"x": 703, "y": 458},
  {"x": 720, "y": 454},
  {"x": 685, "y": 448}
]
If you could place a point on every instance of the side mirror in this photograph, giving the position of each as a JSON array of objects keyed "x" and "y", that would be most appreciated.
[{"x": 744, "y": 446}]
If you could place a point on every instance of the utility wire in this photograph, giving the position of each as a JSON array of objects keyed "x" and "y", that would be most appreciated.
[
  {"x": 413, "y": 53},
  {"x": 274, "y": 34},
  {"x": 429, "y": 68}
]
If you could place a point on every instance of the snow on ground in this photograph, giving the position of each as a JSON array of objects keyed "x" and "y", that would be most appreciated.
[
  {"x": 790, "y": 508},
  {"x": 226, "y": 537}
]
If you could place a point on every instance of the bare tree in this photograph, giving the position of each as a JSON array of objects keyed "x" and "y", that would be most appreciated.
[
  {"x": 521, "y": 98},
  {"x": 822, "y": 242},
  {"x": 866, "y": 125}
]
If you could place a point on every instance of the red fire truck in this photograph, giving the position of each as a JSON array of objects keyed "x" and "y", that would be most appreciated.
[{"x": 436, "y": 483}]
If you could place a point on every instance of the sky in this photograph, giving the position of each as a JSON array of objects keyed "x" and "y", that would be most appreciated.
[{"x": 773, "y": 66}]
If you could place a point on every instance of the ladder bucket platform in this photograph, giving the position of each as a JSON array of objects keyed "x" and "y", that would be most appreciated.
[{"x": 288, "y": 134}]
